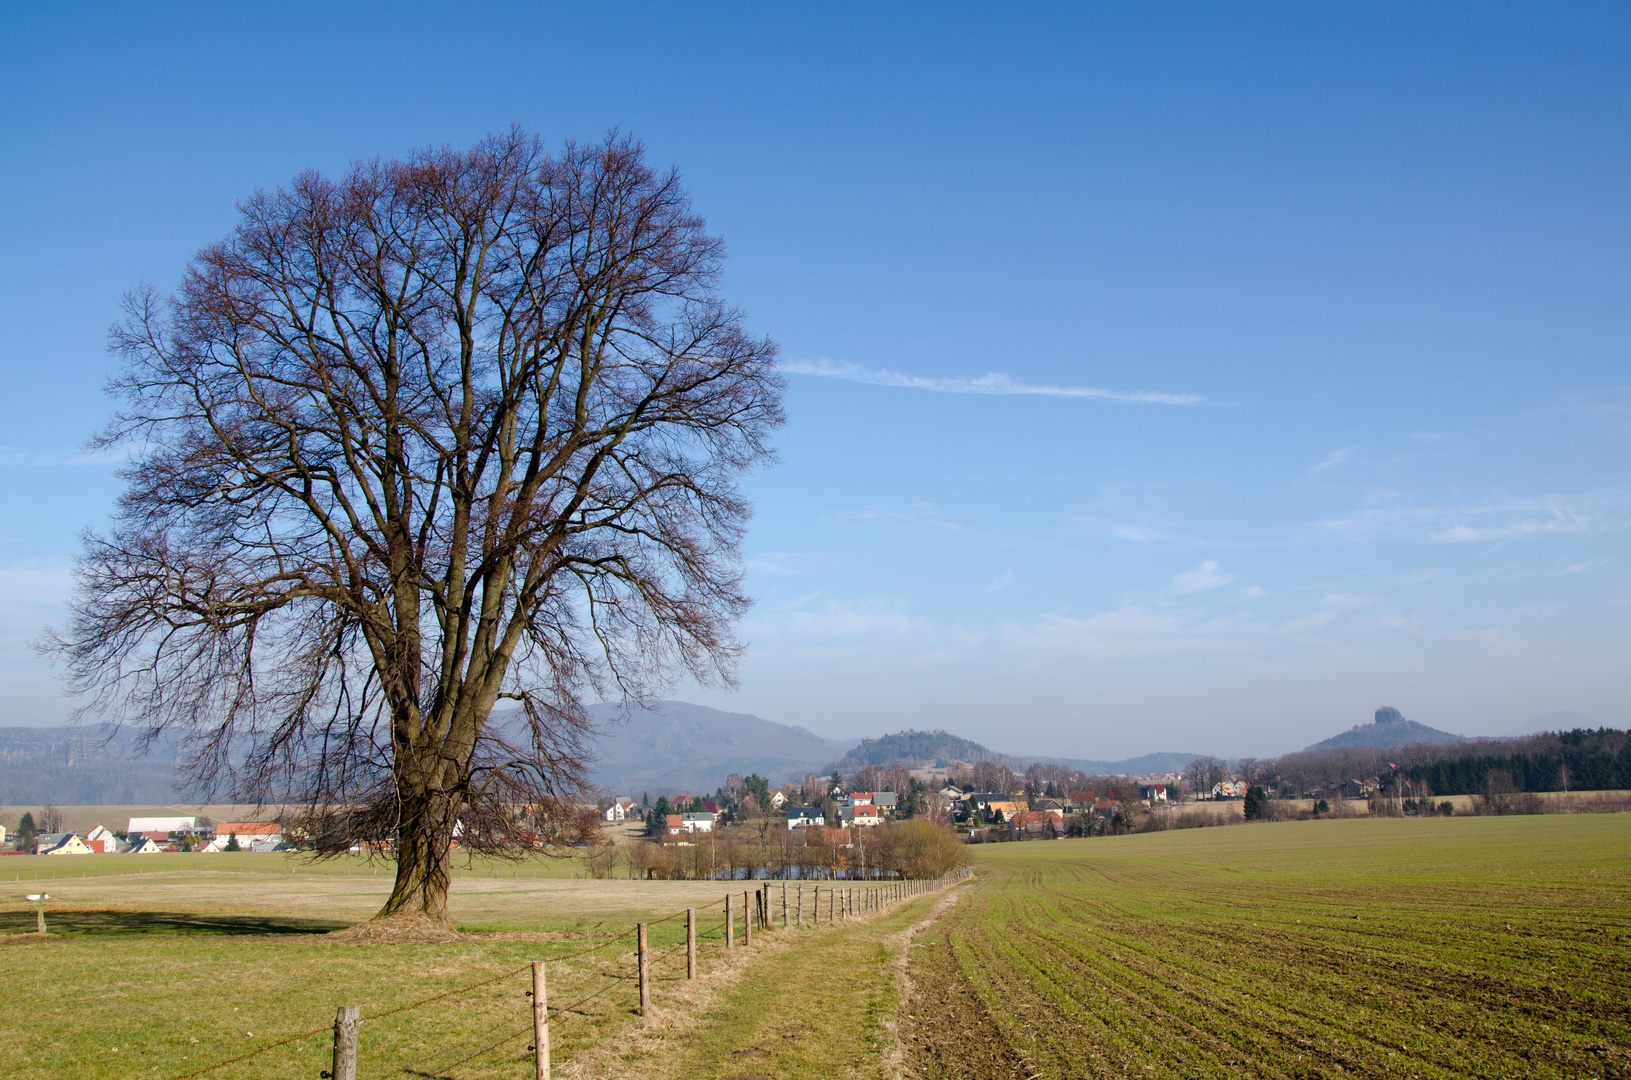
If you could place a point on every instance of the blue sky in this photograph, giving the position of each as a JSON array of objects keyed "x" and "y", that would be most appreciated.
[{"x": 1162, "y": 377}]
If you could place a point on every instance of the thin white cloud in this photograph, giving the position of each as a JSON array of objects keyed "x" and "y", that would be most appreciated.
[
  {"x": 11, "y": 456},
  {"x": 1002, "y": 582},
  {"x": 993, "y": 383},
  {"x": 1337, "y": 458},
  {"x": 1204, "y": 577},
  {"x": 1504, "y": 519},
  {"x": 1589, "y": 564},
  {"x": 917, "y": 515}
]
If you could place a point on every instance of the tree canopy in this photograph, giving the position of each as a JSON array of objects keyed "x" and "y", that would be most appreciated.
[{"x": 436, "y": 435}]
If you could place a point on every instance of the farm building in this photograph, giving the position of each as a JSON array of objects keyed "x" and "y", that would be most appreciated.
[{"x": 155, "y": 826}]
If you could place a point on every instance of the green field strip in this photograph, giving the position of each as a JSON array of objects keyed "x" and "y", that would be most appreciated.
[{"x": 1149, "y": 965}]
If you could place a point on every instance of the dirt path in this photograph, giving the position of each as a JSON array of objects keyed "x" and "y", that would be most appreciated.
[{"x": 822, "y": 1002}]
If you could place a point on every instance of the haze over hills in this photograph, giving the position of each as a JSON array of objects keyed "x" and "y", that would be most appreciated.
[
  {"x": 70, "y": 765},
  {"x": 1562, "y": 720},
  {"x": 942, "y": 748},
  {"x": 669, "y": 746},
  {"x": 677, "y": 746},
  {"x": 1390, "y": 730}
]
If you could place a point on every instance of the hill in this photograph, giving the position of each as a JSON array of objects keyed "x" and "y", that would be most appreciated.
[
  {"x": 676, "y": 746},
  {"x": 929, "y": 748},
  {"x": 1389, "y": 731}
]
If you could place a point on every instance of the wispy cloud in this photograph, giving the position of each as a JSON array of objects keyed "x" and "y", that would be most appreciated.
[
  {"x": 1337, "y": 458},
  {"x": 11, "y": 456},
  {"x": 1499, "y": 519},
  {"x": 1204, "y": 577},
  {"x": 1002, "y": 582},
  {"x": 1589, "y": 564},
  {"x": 994, "y": 383},
  {"x": 918, "y": 515}
]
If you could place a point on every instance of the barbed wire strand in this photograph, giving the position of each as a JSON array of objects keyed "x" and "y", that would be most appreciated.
[
  {"x": 443, "y": 1070},
  {"x": 253, "y": 1053}
]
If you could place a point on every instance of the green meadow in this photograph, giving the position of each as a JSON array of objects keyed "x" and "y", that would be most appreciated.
[{"x": 1458, "y": 947}]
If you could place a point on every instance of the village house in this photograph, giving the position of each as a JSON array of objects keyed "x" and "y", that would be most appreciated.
[
  {"x": 995, "y": 805},
  {"x": 1153, "y": 793},
  {"x": 1229, "y": 789},
  {"x": 1038, "y": 822},
  {"x": 803, "y": 817},
  {"x": 621, "y": 809},
  {"x": 695, "y": 823},
  {"x": 61, "y": 843},
  {"x": 861, "y": 814},
  {"x": 777, "y": 800},
  {"x": 249, "y": 833},
  {"x": 144, "y": 845},
  {"x": 101, "y": 840}
]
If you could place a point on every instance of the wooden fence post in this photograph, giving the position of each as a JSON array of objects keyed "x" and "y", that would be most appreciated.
[
  {"x": 730, "y": 924},
  {"x": 645, "y": 968},
  {"x": 832, "y": 901},
  {"x": 747, "y": 921},
  {"x": 540, "y": 1021},
  {"x": 784, "y": 905},
  {"x": 690, "y": 943},
  {"x": 800, "y": 920},
  {"x": 345, "y": 1042},
  {"x": 815, "y": 907}
]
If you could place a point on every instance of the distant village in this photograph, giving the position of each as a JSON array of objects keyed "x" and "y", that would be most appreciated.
[
  {"x": 982, "y": 801},
  {"x": 146, "y": 836}
]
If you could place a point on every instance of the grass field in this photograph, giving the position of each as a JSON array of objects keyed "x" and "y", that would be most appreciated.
[
  {"x": 1462, "y": 947},
  {"x": 160, "y": 973}
]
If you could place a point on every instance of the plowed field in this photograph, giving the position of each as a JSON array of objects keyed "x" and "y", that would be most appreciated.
[{"x": 1461, "y": 947}]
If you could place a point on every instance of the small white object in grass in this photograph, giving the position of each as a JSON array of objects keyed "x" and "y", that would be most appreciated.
[{"x": 37, "y": 897}]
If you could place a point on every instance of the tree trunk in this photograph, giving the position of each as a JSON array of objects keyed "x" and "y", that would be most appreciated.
[{"x": 423, "y": 853}]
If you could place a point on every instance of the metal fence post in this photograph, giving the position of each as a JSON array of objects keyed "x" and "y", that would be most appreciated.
[
  {"x": 540, "y": 1021},
  {"x": 346, "y": 1021}
]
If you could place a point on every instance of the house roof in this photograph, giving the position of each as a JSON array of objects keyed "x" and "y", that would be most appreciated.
[
  {"x": 161, "y": 824},
  {"x": 249, "y": 828},
  {"x": 52, "y": 839},
  {"x": 674, "y": 820},
  {"x": 804, "y": 811}
]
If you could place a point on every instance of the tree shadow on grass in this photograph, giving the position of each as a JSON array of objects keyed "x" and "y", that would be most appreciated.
[{"x": 137, "y": 923}]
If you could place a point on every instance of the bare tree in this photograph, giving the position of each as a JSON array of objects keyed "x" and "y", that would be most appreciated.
[
  {"x": 439, "y": 434},
  {"x": 50, "y": 820}
]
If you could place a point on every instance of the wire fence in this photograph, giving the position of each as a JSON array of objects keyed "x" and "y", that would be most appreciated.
[{"x": 588, "y": 977}]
